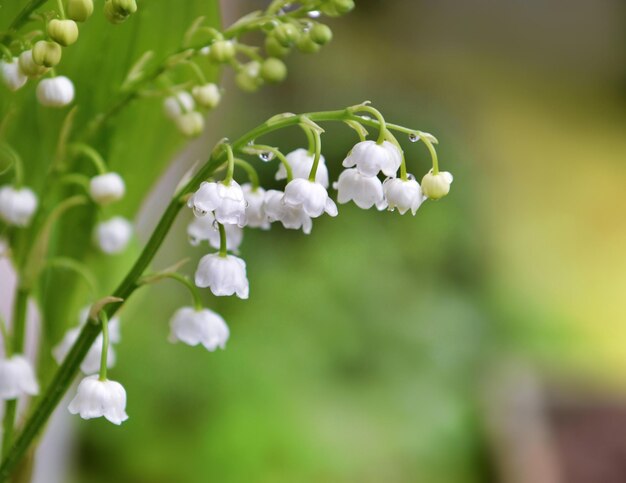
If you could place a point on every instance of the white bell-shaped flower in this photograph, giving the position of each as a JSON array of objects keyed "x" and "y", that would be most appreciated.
[
  {"x": 226, "y": 201},
  {"x": 365, "y": 191},
  {"x": 28, "y": 67},
  {"x": 205, "y": 228},
  {"x": 195, "y": 327},
  {"x": 371, "y": 158},
  {"x": 310, "y": 196},
  {"x": 301, "y": 161},
  {"x": 190, "y": 124},
  {"x": 224, "y": 275},
  {"x": 95, "y": 398},
  {"x": 113, "y": 235},
  {"x": 17, "y": 205},
  {"x": 11, "y": 74},
  {"x": 55, "y": 92},
  {"x": 207, "y": 95},
  {"x": 107, "y": 188},
  {"x": 255, "y": 209},
  {"x": 178, "y": 104},
  {"x": 292, "y": 217},
  {"x": 17, "y": 378},
  {"x": 403, "y": 195},
  {"x": 91, "y": 362},
  {"x": 436, "y": 186}
]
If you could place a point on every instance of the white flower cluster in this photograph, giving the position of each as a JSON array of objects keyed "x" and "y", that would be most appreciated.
[
  {"x": 57, "y": 91},
  {"x": 181, "y": 107}
]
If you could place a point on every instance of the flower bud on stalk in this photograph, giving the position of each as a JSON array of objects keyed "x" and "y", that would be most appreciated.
[
  {"x": 273, "y": 70},
  {"x": 47, "y": 53},
  {"x": 191, "y": 124},
  {"x": 64, "y": 32},
  {"x": 306, "y": 45},
  {"x": 222, "y": 51},
  {"x": 286, "y": 34},
  {"x": 321, "y": 34},
  {"x": 79, "y": 10},
  {"x": 436, "y": 186},
  {"x": 117, "y": 11},
  {"x": 207, "y": 95},
  {"x": 335, "y": 8},
  {"x": 248, "y": 77},
  {"x": 28, "y": 67},
  {"x": 274, "y": 48}
]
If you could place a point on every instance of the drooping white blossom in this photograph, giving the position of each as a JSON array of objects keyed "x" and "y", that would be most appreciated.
[
  {"x": 178, "y": 104},
  {"x": 365, "y": 191},
  {"x": 226, "y": 201},
  {"x": 207, "y": 95},
  {"x": 107, "y": 188},
  {"x": 95, "y": 398},
  {"x": 435, "y": 186},
  {"x": 224, "y": 275},
  {"x": 113, "y": 235},
  {"x": 11, "y": 74},
  {"x": 403, "y": 195},
  {"x": 55, "y": 92},
  {"x": 301, "y": 161},
  {"x": 17, "y": 377},
  {"x": 28, "y": 67},
  {"x": 205, "y": 228},
  {"x": 371, "y": 158},
  {"x": 195, "y": 327},
  {"x": 255, "y": 209},
  {"x": 190, "y": 124},
  {"x": 17, "y": 205},
  {"x": 312, "y": 197},
  {"x": 291, "y": 217}
]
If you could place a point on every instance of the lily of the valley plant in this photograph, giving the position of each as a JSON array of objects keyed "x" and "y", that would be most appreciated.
[{"x": 223, "y": 193}]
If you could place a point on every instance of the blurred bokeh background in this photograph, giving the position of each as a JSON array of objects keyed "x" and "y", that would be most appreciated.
[{"x": 482, "y": 340}]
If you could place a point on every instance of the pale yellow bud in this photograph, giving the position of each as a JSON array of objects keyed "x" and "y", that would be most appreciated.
[{"x": 64, "y": 32}]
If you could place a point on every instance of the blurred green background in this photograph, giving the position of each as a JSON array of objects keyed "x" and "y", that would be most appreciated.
[{"x": 364, "y": 351}]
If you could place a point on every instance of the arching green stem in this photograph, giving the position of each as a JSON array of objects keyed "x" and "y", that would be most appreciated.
[
  {"x": 253, "y": 176},
  {"x": 78, "y": 268},
  {"x": 230, "y": 170},
  {"x": 18, "y": 165},
  {"x": 61, "y": 9},
  {"x": 310, "y": 138},
  {"x": 379, "y": 117},
  {"x": 223, "y": 241},
  {"x": 433, "y": 154},
  {"x": 104, "y": 321},
  {"x": 195, "y": 295},
  {"x": 91, "y": 154},
  {"x": 317, "y": 155},
  {"x": 276, "y": 152},
  {"x": 197, "y": 71},
  {"x": 392, "y": 139}
]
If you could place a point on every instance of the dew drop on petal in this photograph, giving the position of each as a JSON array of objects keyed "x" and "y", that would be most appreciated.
[
  {"x": 266, "y": 156},
  {"x": 193, "y": 241},
  {"x": 410, "y": 176},
  {"x": 198, "y": 211},
  {"x": 414, "y": 137},
  {"x": 215, "y": 225},
  {"x": 314, "y": 13}
]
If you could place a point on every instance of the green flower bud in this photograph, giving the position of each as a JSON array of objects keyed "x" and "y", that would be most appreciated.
[
  {"x": 191, "y": 124},
  {"x": 286, "y": 34},
  {"x": 306, "y": 45},
  {"x": 436, "y": 186},
  {"x": 47, "y": 53},
  {"x": 321, "y": 34},
  {"x": 335, "y": 8},
  {"x": 79, "y": 10},
  {"x": 111, "y": 14},
  {"x": 248, "y": 78},
  {"x": 28, "y": 67},
  {"x": 274, "y": 48},
  {"x": 207, "y": 96},
  {"x": 273, "y": 70},
  {"x": 64, "y": 32},
  {"x": 222, "y": 51},
  {"x": 124, "y": 7}
]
